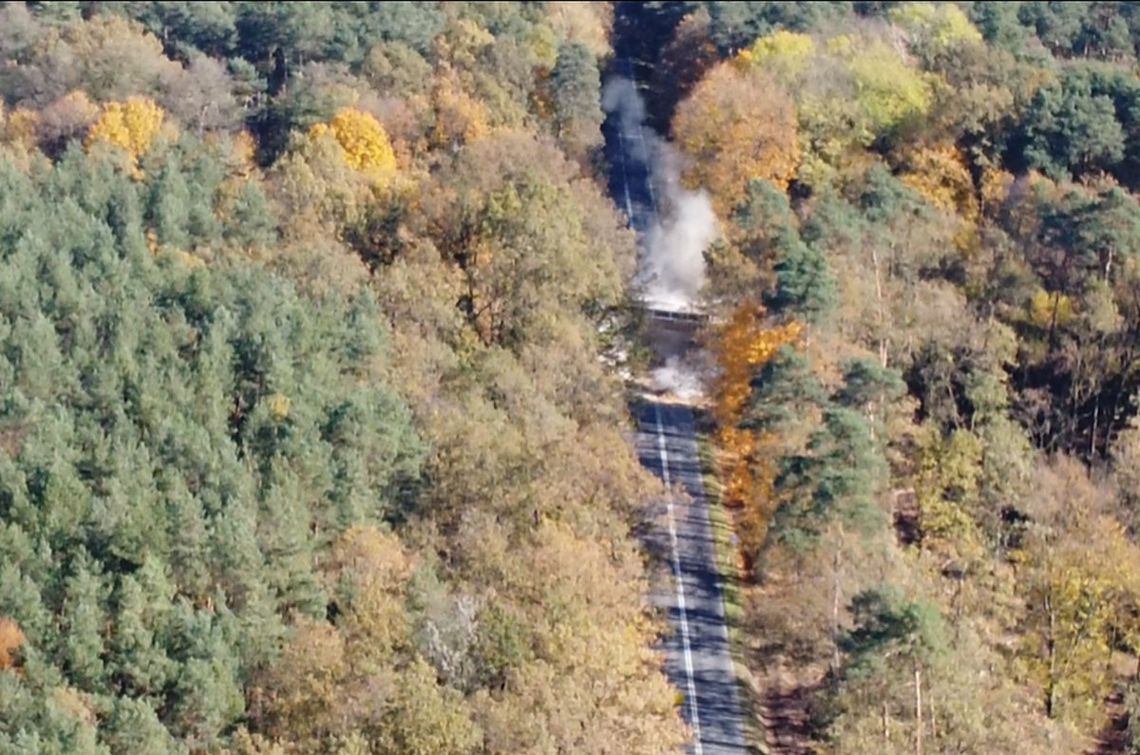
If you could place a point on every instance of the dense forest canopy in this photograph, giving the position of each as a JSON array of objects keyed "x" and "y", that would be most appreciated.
[
  {"x": 927, "y": 405},
  {"x": 305, "y": 442},
  {"x": 309, "y": 441}
]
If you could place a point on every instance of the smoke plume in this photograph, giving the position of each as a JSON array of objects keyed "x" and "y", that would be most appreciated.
[{"x": 676, "y": 224}]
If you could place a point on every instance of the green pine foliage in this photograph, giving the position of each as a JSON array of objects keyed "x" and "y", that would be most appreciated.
[
  {"x": 296, "y": 457},
  {"x": 185, "y": 441}
]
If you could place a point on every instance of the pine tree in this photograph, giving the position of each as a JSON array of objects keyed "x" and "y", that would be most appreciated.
[
  {"x": 133, "y": 726},
  {"x": 189, "y": 540},
  {"x": 576, "y": 88},
  {"x": 136, "y": 665},
  {"x": 82, "y": 646},
  {"x": 805, "y": 286},
  {"x": 284, "y": 538}
]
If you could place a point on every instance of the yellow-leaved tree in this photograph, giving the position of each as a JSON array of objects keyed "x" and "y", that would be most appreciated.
[
  {"x": 783, "y": 54},
  {"x": 364, "y": 141},
  {"x": 22, "y": 127},
  {"x": 935, "y": 25},
  {"x": 1081, "y": 590},
  {"x": 939, "y": 173},
  {"x": 459, "y": 118},
  {"x": 132, "y": 126},
  {"x": 587, "y": 23},
  {"x": 888, "y": 91},
  {"x": 849, "y": 90}
]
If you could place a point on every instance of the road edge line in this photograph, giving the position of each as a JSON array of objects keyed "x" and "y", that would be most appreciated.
[{"x": 679, "y": 582}]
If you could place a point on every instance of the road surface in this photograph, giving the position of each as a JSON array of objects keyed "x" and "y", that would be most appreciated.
[
  {"x": 629, "y": 147},
  {"x": 698, "y": 661}
]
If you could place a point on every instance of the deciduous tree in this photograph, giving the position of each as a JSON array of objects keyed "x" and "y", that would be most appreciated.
[
  {"x": 364, "y": 141},
  {"x": 736, "y": 127},
  {"x": 131, "y": 126}
]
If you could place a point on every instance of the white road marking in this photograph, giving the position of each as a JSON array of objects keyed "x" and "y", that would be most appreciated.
[
  {"x": 625, "y": 179},
  {"x": 691, "y": 684},
  {"x": 644, "y": 151}
]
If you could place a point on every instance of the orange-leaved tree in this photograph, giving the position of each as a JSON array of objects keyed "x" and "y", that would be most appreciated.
[
  {"x": 737, "y": 126},
  {"x": 11, "y": 640},
  {"x": 939, "y": 173},
  {"x": 460, "y": 119},
  {"x": 742, "y": 346}
]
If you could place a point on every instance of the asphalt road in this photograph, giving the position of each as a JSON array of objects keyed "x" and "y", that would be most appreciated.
[
  {"x": 698, "y": 661},
  {"x": 697, "y": 657},
  {"x": 627, "y": 149}
]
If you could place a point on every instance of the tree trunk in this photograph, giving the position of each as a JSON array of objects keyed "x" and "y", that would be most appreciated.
[
  {"x": 835, "y": 593},
  {"x": 1053, "y": 320},
  {"x": 886, "y": 724},
  {"x": 1050, "y": 648},
  {"x": 880, "y": 312},
  {"x": 1095, "y": 422},
  {"x": 917, "y": 711}
]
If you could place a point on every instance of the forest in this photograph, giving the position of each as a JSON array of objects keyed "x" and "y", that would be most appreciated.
[
  {"x": 928, "y": 284},
  {"x": 311, "y": 436},
  {"x": 307, "y": 444}
]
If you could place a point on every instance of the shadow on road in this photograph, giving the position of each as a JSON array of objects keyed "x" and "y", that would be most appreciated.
[{"x": 679, "y": 535}]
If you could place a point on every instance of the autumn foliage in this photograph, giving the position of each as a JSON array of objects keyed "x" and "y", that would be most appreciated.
[
  {"x": 364, "y": 141},
  {"x": 736, "y": 127},
  {"x": 459, "y": 118},
  {"x": 742, "y": 346},
  {"x": 11, "y": 640},
  {"x": 69, "y": 116},
  {"x": 131, "y": 126},
  {"x": 941, "y": 176},
  {"x": 22, "y": 126},
  {"x": 786, "y": 54},
  {"x": 938, "y": 489},
  {"x": 279, "y": 401}
]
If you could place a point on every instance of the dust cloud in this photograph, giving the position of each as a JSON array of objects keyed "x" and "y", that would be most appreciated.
[
  {"x": 679, "y": 377},
  {"x": 681, "y": 223}
]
